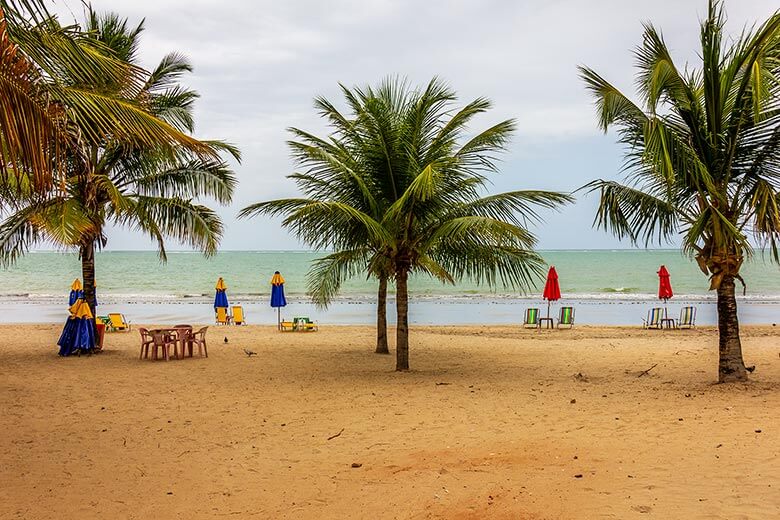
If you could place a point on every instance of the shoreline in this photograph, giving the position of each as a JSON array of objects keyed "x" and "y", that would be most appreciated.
[{"x": 422, "y": 312}]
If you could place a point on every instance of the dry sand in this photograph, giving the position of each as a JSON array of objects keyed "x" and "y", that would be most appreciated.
[{"x": 493, "y": 422}]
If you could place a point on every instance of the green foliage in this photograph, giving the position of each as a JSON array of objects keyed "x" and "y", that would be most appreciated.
[
  {"x": 703, "y": 151},
  {"x": 57, "y": 93},
  {"x": 397, "y": 188},
  {"x": 128, "y": 179}
]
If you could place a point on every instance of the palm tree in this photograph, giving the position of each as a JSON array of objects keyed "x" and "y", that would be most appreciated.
[
  {"x": 393, "y": 191},
  {"x": 149, "y": 188},
  {"x": 703, "y": 158},
  {"x": 43, "y": 117}
]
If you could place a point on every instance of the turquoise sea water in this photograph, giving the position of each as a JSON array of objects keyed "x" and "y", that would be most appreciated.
[
  {"x": 605, "y": 274},
  {"x": 595, "y": 279}
]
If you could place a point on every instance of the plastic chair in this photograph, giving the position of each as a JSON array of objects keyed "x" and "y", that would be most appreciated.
[
  {"x": 146, "y": 341},
  {"x": 199, "y": 338},
  {"x": 164, "y": 340},
  {"x": 183, "y": 333}
]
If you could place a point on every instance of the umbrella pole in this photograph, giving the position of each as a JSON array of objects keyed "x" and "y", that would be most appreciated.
[
  {"x": 278, "y": 318},
  {"x": 548, "y": 308}
]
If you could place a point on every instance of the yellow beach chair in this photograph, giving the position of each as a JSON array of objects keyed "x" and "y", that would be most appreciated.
[
  {"x": 238, "y": 315},
  {"x": 223, "y": 318},
  {"x": 310, "y": 326},
  {"x": 286, "y": 326},
  {"x": 117, "y": 322},
  {"x": 304, "y": 324}
]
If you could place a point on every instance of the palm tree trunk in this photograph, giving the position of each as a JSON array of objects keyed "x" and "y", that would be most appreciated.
[
  {"x": 381, "y": 317},
  {"x": 402, "y": 325},
  {"x": 731, "y": 366},
  {"x": 87, "y": 253}
]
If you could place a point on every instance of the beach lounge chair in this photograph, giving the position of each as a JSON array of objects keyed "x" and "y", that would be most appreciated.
[
  {"x": 302, "y": 324},
  {"x": 307, "y": 325},
  {"x": 531, "y": 319},
  {"x": 286, "y": 326},
  {"x": 566, "y": 317},
  {"x": 654, "y": 317},
  {"x": 238, "y": 315},
  {"x": 223, "y": 318},
  {"x": 687, "y": 318},
  {"x": 117, "y": 321}
]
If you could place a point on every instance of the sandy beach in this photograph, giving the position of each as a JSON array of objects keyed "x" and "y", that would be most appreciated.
[{"x": 492, "y": 422}]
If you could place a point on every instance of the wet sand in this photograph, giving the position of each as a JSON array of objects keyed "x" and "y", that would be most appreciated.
[{"x": 492, "y": 422}]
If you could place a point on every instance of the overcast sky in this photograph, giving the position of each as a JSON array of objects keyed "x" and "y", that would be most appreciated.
[{"x": 259, "y": 64}]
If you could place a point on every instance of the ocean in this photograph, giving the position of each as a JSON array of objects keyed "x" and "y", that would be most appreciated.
[{"x": 605, "y": 286}]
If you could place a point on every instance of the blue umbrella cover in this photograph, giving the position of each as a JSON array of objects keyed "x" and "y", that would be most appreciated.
[
  {"x": 277, "y": 291},
  {"x": 79, "y": 334},
  {"x": 220, "y": 299},
  {"x": 75, "y": 292}
]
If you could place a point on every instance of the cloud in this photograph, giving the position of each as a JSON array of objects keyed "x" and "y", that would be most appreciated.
[{"x": 259, "y": 64}]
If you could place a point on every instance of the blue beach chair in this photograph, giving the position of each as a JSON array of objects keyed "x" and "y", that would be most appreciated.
[
  {"x": 654, "y": 317},
  {"x": 687, "y": 318}
]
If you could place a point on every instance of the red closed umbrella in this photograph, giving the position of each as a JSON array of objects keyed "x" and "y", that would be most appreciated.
[
  {"x": 552, "y": 291},
  {"x": 664, "y": 286}
]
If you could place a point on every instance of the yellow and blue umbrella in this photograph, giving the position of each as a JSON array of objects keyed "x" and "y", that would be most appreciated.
[
  {"x": 76, "y": 292},
  {"x": 277, "y": 295},
  {"x": 79, "y": 334},
  {"x": 220, "y": 299}
]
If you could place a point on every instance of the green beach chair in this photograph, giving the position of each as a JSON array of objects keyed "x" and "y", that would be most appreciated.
[
  {"x": 654, "y": 317},
  {"x": 531, "y": 319},
  {"x": 566, "y": 317},
  {"x": 304, "y": 324},
  {"x": 687, "y": 318}
]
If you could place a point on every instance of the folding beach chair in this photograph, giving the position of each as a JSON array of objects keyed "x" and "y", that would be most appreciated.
[
  {"x": 687, "y": 318},
  {"x": 117, "y": 321},
  {"x": 566, "y": 318},
  {"x": 286, "y": 326},
  {"x": 304, "y": 324},
  {"x": 654, "y": 317},
  {"x": 223, "y": 318},
  {"x": 238, "y": 315},
  {"x": 531, "y": 319}
]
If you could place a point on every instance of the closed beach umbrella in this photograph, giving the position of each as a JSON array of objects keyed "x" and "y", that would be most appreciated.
[
  {"x": 79, "y": 332},
  {"x": 76, "y": 292},
  {"x": 664, "y": 286},
  {"x": 277, "y": 296},
  {"x": 220, "y": 300},
  {"x": 552, "y": 291}
]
